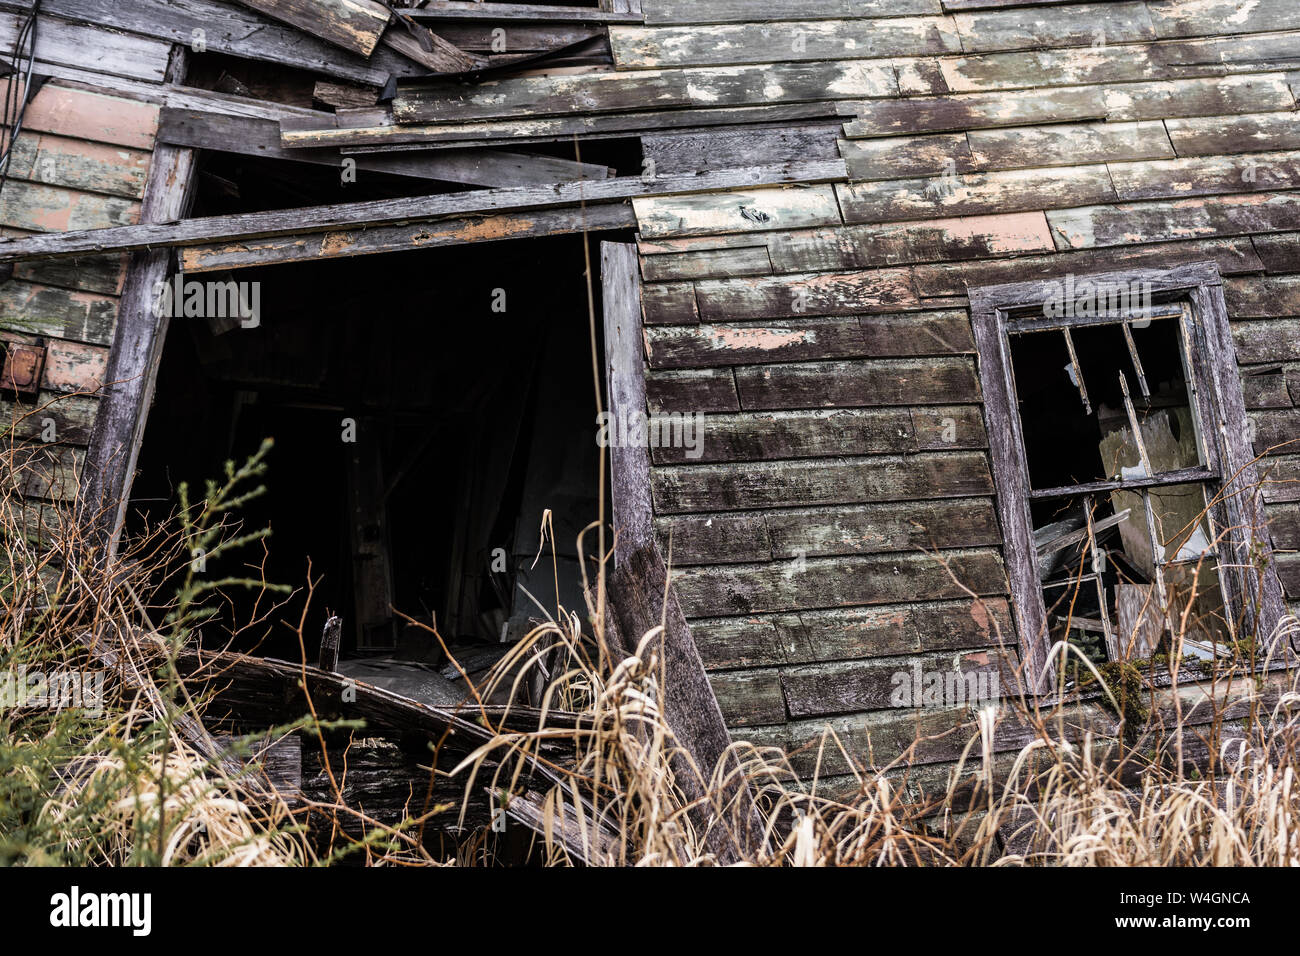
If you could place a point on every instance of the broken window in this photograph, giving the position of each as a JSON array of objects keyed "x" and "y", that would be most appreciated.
[{"x": 1122, "y": 462}]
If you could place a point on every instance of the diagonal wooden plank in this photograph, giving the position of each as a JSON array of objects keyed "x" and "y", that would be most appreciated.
[{"x": 407, "y": 209}]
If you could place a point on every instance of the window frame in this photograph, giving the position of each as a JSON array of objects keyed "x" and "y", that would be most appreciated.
[{"x": 1220, "y": 408}]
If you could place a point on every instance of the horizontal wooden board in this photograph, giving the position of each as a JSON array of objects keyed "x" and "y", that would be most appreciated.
[
  {"x": 59, "y": 313},
  {"x": 903, "y": 157},
  {"x": 1193, "y": 18},
  {"x": 806, "y": 637},
  {"x": 680, "y": 489},
  {"x": 1267, "y": 340},
  {"x": 882, "y": 290},
  {"x": 850, "y": 687},
  {"x": 688, "y": 151},
  {"x": 660, "y": 47},
  {"x": 1219, "y": 135},
  {"x": 1262, "y": 296},
  {"x": 1068, "y": 144},
  {"x": 1265, "y": 388},
  {"x": 967, "y": 194},
  {"x": 974, "y": 111},
  {"x": 63, "y": 418},
  {"x": 692, "y": 390},
  {"x": 669, "y": 303},
  {"x": 871, "y": 529},
  {"x": 875, "y": 245},
  {"x": 789, "y": 207},
  {"x": 857, "y": 383},
  {"x": 809, "y": 339},
  {"x": 89, "y": 49},
  {"x": 77, "y": 164},
  {"x": 633, "y": 89},
  {"x": 838, "y": 582},
  {"x": 1168, "y": 220},
  {"x": 708, "y": 264},
  {"x": 1053, "y": 26},
  {"x": 733, "y": 11},
  {"x": 36, "y": 207},
  {"x": 1206, "y": 175},
  {"x": 83, "y": 114},
  {"x": 761, "y": 436},
  {"x": 747, "y": 698},
  {"x": 1280, "y": 252},
  {"x": 1229, "y": 255}
]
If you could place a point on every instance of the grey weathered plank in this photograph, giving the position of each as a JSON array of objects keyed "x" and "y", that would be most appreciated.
[
  {"x": 1192, "y": 18},
  {"x": 1068, "y": 144},
  {"x": 762, "y": 436},
  {"x": 838, "y": 582},
  {"x": 974, "y": 111},
  {"x": 1072, "y": 25},
  {"x": 1267, "y": 340},
  {"x": 749, "y": 697},
  {"x": 733, "y": 11},
  {"x": 692, "y": 390},
  {"x": 790, "y": 207},
  {"x": 1206, "y": 175},
  {"x": 376, "y": 239},
  {"x": 809, "y": 339},
  {"x": 86, "y": 50},
  {"x": 217, "y": 229},
  {"x": 1169, "y": 220},
  {"x": 1279, "y": 253},
  {"x": 659, "y": 46},
  {"x": 907, "y": 156},
  {"x": 1262, "y": 296},
  {"x": 761, "y": 297},
  {"x": 42, "y": 207},
  {"x": 871, "y": 246},
  {"x": 670, "y": 303},
  {"x": 625, "y": 388},
  {"x": 870, "y": 529},
  {"x": 72, "y": 417},
  {"x": 1219, "y": 135},
  {"x": 1264, "y": 388},
  {"x": 823, "y": 689},
  {"x": 774, "y": 484},
  {"x": 354, "y": 25},
  {"x": 261, "y": 137},
  {"x": 689, "y": 151},
  {"x": 708, "y": 264},
  {"x": 60, "y": 313},
  {"x": 609, "y": 92},
  {"x": 856, "y": 383},
  {"x": 1002, "y": 191},
  {"x": 1230, "y": 255},
  {"x": 807, "y": 637}
]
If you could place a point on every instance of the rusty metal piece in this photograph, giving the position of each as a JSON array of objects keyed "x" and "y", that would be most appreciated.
[{"x": 22, "y": 368}]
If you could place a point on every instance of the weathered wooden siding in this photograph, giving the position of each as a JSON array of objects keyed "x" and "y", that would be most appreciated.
[
  {"x": 839, "y": 517},
  {"x": 81, "y": 162}
]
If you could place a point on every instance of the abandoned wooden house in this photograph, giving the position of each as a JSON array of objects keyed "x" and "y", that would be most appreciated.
[{"x": 932, "y": 334}]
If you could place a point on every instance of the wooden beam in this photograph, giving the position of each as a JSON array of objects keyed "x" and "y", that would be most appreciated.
[
  {"x": 474, "y": 167},
  {"x": 402, "y": 238},
  {"x": 440, "y": 56},
  {"x": 451, "y": 10},
  {"x": 354, "y": 25},
  {"x": 625, "y": 377},
  {"x": 642, "y": 601},
  {"x": 133, "y": 363},
  {"x": 213, "y": 229},
  {"x": 376, "y": 128}
]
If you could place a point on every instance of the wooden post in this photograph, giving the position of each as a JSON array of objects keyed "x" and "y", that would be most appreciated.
[
  {"x": 640, "y": 601},
  {"x": 133, "y": 363},
  {"x": 625, "y": 375}
]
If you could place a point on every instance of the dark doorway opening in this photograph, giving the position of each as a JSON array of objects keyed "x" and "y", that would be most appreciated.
[{"x": 426, "y": 408}]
